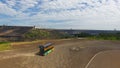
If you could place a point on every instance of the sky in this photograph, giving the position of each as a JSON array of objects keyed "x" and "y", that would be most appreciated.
[{"x": 61, "y": 14}]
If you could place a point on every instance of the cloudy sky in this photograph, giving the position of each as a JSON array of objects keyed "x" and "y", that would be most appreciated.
[{"x": 61, "y": 14}]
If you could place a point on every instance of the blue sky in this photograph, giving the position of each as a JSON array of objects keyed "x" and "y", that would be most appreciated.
[{"x": 61, "y": 14}]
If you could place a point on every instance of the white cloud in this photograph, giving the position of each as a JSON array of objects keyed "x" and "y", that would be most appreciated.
[
  {"x": 4, "y": 9},
  {"x": 103, "y": 14},
  {"x": 11, "y": 3},
  {"x": 25, "y": 4}
]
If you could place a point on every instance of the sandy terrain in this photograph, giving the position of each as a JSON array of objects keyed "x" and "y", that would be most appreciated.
[{"x": 67, "y": 54}]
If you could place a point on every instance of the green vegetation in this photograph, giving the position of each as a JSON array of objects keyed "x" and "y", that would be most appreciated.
[
  {"x": 30, "y": 42},
  {"x": 5, "y": 46},
  {"x": 43, "y": 34},
  {"x": 39, "y": 34},
  {"x": 107, "y": 36},
  {"x": 101, "y": 36}
]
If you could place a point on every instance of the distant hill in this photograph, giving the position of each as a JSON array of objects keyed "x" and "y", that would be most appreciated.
[
  {"x": 78, "y": 31},
  {"x": 13, "y": 32},
  {"x": 23, "y": 33}
]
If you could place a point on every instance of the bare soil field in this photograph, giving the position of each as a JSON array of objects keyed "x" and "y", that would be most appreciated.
[
  {"x": 106, "y": 59},
  {"x": 75, "y": 53}
]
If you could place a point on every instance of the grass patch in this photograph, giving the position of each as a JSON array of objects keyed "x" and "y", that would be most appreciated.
[
  {"x": 36, "y": 41},
  {"x": 5, "y": 46},
  {"x": 30, "y": 42}
]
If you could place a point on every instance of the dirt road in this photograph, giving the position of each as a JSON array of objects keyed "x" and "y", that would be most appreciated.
[{"x": 67, "y": 54}]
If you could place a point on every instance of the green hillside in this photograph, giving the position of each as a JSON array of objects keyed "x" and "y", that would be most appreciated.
[{"x": 38, "y": 34}]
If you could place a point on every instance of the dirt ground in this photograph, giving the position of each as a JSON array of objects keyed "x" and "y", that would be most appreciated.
[
  {"x": 106, "y": 59},
  {"x": 75, "y": 53}
]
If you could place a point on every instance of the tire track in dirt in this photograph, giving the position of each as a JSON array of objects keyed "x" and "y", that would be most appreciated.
[
  {"x": 92, "y": 59},
  {"x": 99, "y": 54},
  {"x": 16, "y": 55}
]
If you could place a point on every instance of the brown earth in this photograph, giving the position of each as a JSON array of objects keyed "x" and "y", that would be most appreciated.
[
  {"x": 67, "y": 54},
  {"x": 107, "y": 59}
]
